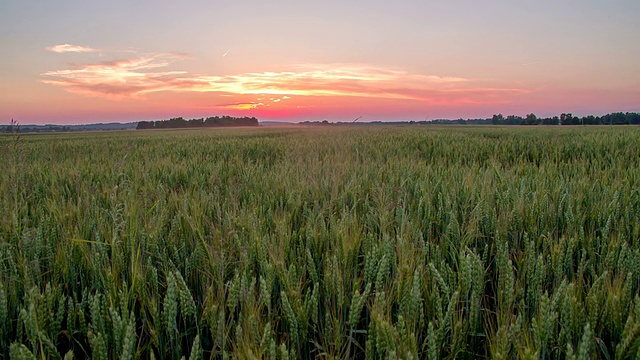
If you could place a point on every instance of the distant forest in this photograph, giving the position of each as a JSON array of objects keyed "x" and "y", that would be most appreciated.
[
  {"x": 214, "y": 121},
  {"x": 618, "y": 118}
]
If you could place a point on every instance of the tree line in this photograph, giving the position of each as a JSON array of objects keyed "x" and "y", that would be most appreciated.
[
  {"x": 213, "y": 121},
  {"x": 618, "y": 118}
]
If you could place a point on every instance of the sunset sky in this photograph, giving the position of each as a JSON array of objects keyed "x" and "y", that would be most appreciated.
[{"x": 67, "y": 62}]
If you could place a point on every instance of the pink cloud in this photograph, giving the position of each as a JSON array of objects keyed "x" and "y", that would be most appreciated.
[
  {"x": 143, "y": 74},
  {"x": 119, "y": 78},
  {"x": 69, "y": 48}
]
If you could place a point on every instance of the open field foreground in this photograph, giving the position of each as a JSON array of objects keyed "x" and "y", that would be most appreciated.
[{"x": 285, "y": 243}]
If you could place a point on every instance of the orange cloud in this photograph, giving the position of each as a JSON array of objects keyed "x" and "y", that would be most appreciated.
[
  {"x": 69, "y": 48},
  {"x": 143, "y": 75},
  {"x": 240, "y": 106}
]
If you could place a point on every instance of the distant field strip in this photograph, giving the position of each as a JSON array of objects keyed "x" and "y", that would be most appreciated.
[{"x": 405, "y": 242}]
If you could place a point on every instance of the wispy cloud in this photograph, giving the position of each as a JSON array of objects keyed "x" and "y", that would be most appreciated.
[
  {"x": 240, "y": 106},
  {"x": 531, "y": 63},
  {"x": 144, "y": 74},
  {"x": 69, "y": 48},
  {"x": 119, "y": 77}
]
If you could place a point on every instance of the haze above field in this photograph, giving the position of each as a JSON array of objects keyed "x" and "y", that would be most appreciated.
[{"x": 68, "y": 62}]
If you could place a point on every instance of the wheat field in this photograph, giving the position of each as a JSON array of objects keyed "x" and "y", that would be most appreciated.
[{"x": 381, "y": 242}]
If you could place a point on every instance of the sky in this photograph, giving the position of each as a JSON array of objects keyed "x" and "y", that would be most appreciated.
[{"x": 70, "y": 62}]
